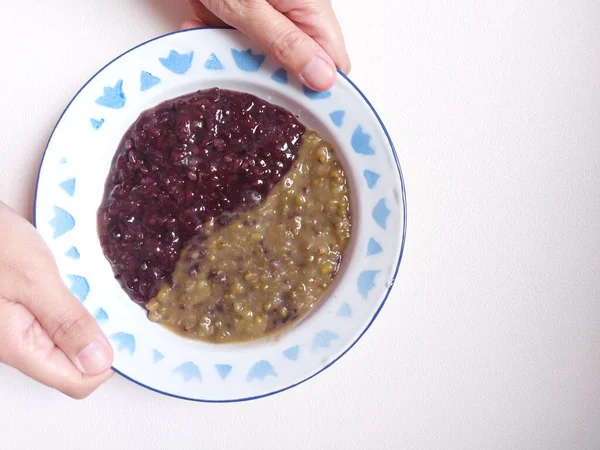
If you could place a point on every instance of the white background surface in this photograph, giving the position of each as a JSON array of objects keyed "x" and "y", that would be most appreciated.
[{"x": 491, "y": 338}]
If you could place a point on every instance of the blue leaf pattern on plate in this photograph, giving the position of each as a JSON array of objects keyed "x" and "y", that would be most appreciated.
[
  {"x": 292, "y": 353},
  {"x": 337, "y": 117},
  {"x": 189, "y": 371},
  {"x": 96, "y": 123},
  {"x": 373, "y": 248},
  {"x": 315, "y": 95},
  {"x": 371, "y": 178},
  {"x": 381, "y": 213},
  {"x": 223, "y": 370},
  {"x": 147, "y": 81},
  {"x": 124, "y": 341},
  {"x": 72, "y": 253},
  {"x": 248, "y": 61},
  {"x": 345, "y": 311},
  {"x": 261, "y": 370},
  {"x": 177, "y": 62},
  {"x": 63, "y": 222},
  {"x": 80, "y": 287},
  {"x": 361, "y": 142},
  {"x": 113, "y": 97},
  {"x": 323, "y": 339},
  {"x": 366, "y": 282},
  {"x": 280, "y": 76},
  {"x": 213, "y": 63},
  {"x": 157, "y": 356},
  {"x": 101, "y": 316},
  {"x": 68, "y": 186}
]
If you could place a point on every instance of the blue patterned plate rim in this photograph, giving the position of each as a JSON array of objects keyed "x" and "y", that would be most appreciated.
[{"x": 388, "y": 287}]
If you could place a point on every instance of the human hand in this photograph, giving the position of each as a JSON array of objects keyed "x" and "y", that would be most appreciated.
[
  {"x": 303, "y": 35},
  {"x": 45, "y": 332}
]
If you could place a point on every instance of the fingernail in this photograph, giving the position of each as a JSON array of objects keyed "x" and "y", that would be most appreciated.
[
  {"x": 95, "y": 357},
  {"x": 318, "y": 74}
]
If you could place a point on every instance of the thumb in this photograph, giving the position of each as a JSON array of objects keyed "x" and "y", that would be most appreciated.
[
  {"x": 70, "y": 326},
  {"x": 283, "y": 40},
  {"x": 191, "y": 24}
]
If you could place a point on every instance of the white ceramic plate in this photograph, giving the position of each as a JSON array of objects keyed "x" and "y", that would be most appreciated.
[{"x": 71, "y": 183}]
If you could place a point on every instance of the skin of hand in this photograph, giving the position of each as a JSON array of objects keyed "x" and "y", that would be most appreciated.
[
  {"x": 303, "y": 35},
  {"x": 45, "y": 332}
]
